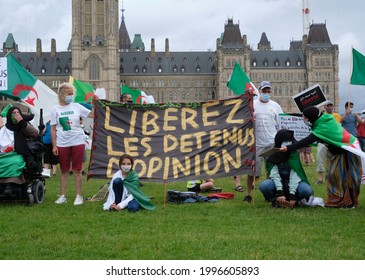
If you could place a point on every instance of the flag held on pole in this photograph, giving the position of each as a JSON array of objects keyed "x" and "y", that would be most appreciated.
[
  {"x": 239, "y": 83},
  {"x": 84, "y": 91},
  {"x": 358, "y": 68}
]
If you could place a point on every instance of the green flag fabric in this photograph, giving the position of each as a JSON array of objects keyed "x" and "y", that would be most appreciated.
[
  {"x": 138, "y": 96},
  {"x": 358, "y": 68},
  {"x": 84, "y": 91},
  {"x": 5, "y": 110},
  {"x": 133, "y": 92},
  {"x": 239, "y": 83},
  {"x": 18, "y": 84}
]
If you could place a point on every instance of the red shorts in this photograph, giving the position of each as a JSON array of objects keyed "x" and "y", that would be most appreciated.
[{"x": 74, "y": 154}]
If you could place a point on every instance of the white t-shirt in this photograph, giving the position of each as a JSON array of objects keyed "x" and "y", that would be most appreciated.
[
  {"x": 67, "y": 121},
  {"x": 266, "y": 122}
]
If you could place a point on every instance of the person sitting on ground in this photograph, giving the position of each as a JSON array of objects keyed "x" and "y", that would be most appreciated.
[
  {"x": 287, "y": 183},
  {"x": 206, "y": 185},
  {"x": 124, "y": 189}
]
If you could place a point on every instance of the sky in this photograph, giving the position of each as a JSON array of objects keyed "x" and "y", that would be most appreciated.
[{"x": 196, "y": 24}]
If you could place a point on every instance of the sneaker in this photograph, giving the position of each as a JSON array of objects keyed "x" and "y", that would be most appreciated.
[
  {"x": 247, "y": 198},
  {"x": 62, "y": 199},
  {"x": 46, "y": 172},
  {"x": 78, "y": 200}
]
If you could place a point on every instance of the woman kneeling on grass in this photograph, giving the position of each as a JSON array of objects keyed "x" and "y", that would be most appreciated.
[{"x": 124, "y": 189}]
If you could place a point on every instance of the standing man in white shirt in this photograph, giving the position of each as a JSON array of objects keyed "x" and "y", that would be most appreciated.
[{"x": 266, "y": 113}]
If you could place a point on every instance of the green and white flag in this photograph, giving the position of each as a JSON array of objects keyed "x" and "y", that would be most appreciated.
[
  {"x": 239, "y": 83},
  {"x": 138, "y": 96},
  {"x": 358, "y": 68},
  {"x": 84, "y": 91},
  {"x": 17, "y": 84}
]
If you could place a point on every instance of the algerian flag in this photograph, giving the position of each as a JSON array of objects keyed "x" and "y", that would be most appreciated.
[
  {"x": 20, "y": 85},
  {"x": 358, "y": 68},
  {"x": 84, "y": 91},
  {"x": 138, "y": 96},
  {"x": 239, "y": 83},
  {"x": 331, "y": 132}
]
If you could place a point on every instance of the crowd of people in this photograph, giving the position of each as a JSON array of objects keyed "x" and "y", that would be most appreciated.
[{"x": 285, "y": 183}]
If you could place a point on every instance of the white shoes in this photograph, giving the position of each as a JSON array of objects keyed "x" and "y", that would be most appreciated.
[
  {"x": 79, "y": 200},
  {"x": 61, "y": 199},
  {"x": 46, "y": 172}
]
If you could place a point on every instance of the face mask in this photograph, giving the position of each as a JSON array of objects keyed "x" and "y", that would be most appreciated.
[
  {"x": 255, "y": 97},
  {"x": 125, "y": 168},
  {"x": 308, "y": 123},
  {"x": 329, "y": 110},
  {"x": 265, "y": 97},
  {"x": 286, "y": 143},
  {"x": 69, "y": 99}
]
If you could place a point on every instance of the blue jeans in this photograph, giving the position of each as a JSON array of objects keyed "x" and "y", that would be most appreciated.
[
  {"x": 268, "y": 189},
  {"x": 118, "y": 187}
]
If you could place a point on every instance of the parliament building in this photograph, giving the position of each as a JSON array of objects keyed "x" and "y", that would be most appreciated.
[{"x": 102, "y": 53}]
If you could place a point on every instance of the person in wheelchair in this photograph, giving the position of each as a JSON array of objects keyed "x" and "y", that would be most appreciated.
[{"x": 14, "y": 150}]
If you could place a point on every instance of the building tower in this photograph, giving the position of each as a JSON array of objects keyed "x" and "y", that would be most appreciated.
[{"x": 95, "y": 44}]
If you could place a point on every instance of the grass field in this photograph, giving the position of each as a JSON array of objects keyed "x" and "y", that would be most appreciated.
[{"x": 224, "y": 230}]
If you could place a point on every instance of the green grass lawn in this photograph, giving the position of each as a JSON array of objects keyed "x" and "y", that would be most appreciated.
[{"x": 226, "y": 230}]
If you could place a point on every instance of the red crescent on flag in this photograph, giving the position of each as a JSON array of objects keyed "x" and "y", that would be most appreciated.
[
  {"x": 138, "y": 100},
  {"x": 19, "y": 88},
  {"x": 88, "y": 95}
]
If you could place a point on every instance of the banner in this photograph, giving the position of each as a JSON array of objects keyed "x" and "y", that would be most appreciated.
[
  {"x": 172, "y": 141},
  {"x": 296, "y": 123}
]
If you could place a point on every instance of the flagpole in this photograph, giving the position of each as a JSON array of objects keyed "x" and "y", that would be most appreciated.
[{"x": 349, "y": 90}]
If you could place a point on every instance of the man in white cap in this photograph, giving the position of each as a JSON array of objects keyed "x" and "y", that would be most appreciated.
[{"x": 266, "y": 113}]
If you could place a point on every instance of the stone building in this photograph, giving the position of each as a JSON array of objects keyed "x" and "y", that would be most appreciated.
[{"x": 102, "y": 54}]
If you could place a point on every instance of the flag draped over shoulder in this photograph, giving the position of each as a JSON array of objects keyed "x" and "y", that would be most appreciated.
[
  {"x": 330, "y": 131},
  {"x": 84, "y": 91},
  {"x": 138, "y": 96},
  {"x": 358, "y": 68},
  {"x": 20, "y": 85},
  {"x": 239, "y": 83}
]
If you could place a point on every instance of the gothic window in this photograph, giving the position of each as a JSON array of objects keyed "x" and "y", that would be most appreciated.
[
  {"x": 31, "y": 60},
  {"x": 59, "y": 70},
  {"x": 299, "y": 62},
  {"x": 136, "y": 69},
  {"x": 134, "y": 59},
  {"x": 182, "y": 69},
  {"x": 266, "y": 62},
  {"x": 144, "y": 69},
  {"x": 94, "y": 71},
  {"x": 185, "y": 59},
  {"x": 213, "y": 69},
  {"x": 174, "y": 69},
  {"x": 43, "y": 69},
  {"x": 198, "y": 69},
  {"x": 147, "y": 59},
  {"x": 57, "y": 60},
  {"x": 287, "y": 62},
  {"x": 183, "y": 96},
  {"x": 67, "y": 70},
  {"x": 159, "y": 69},
  {"x": 277, "y": 63}
]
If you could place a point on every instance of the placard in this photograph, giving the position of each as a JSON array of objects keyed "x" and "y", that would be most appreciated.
[
  {"x": 3, "y": 73},
  {"x": 312, "y": 96}
]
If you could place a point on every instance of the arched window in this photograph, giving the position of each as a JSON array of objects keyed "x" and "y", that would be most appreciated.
[{"x": 94, "y": 71}]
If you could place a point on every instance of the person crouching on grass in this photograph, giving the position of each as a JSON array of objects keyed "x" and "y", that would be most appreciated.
[
  {"x": 124, "y": 189},
  {"x": 287, "y": 183}
]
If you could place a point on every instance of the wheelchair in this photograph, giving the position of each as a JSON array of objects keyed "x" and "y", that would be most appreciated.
[{"x": 32, "y": 189}]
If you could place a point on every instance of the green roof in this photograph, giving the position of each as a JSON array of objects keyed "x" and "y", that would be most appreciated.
[{"x": 9, "y": 43}]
